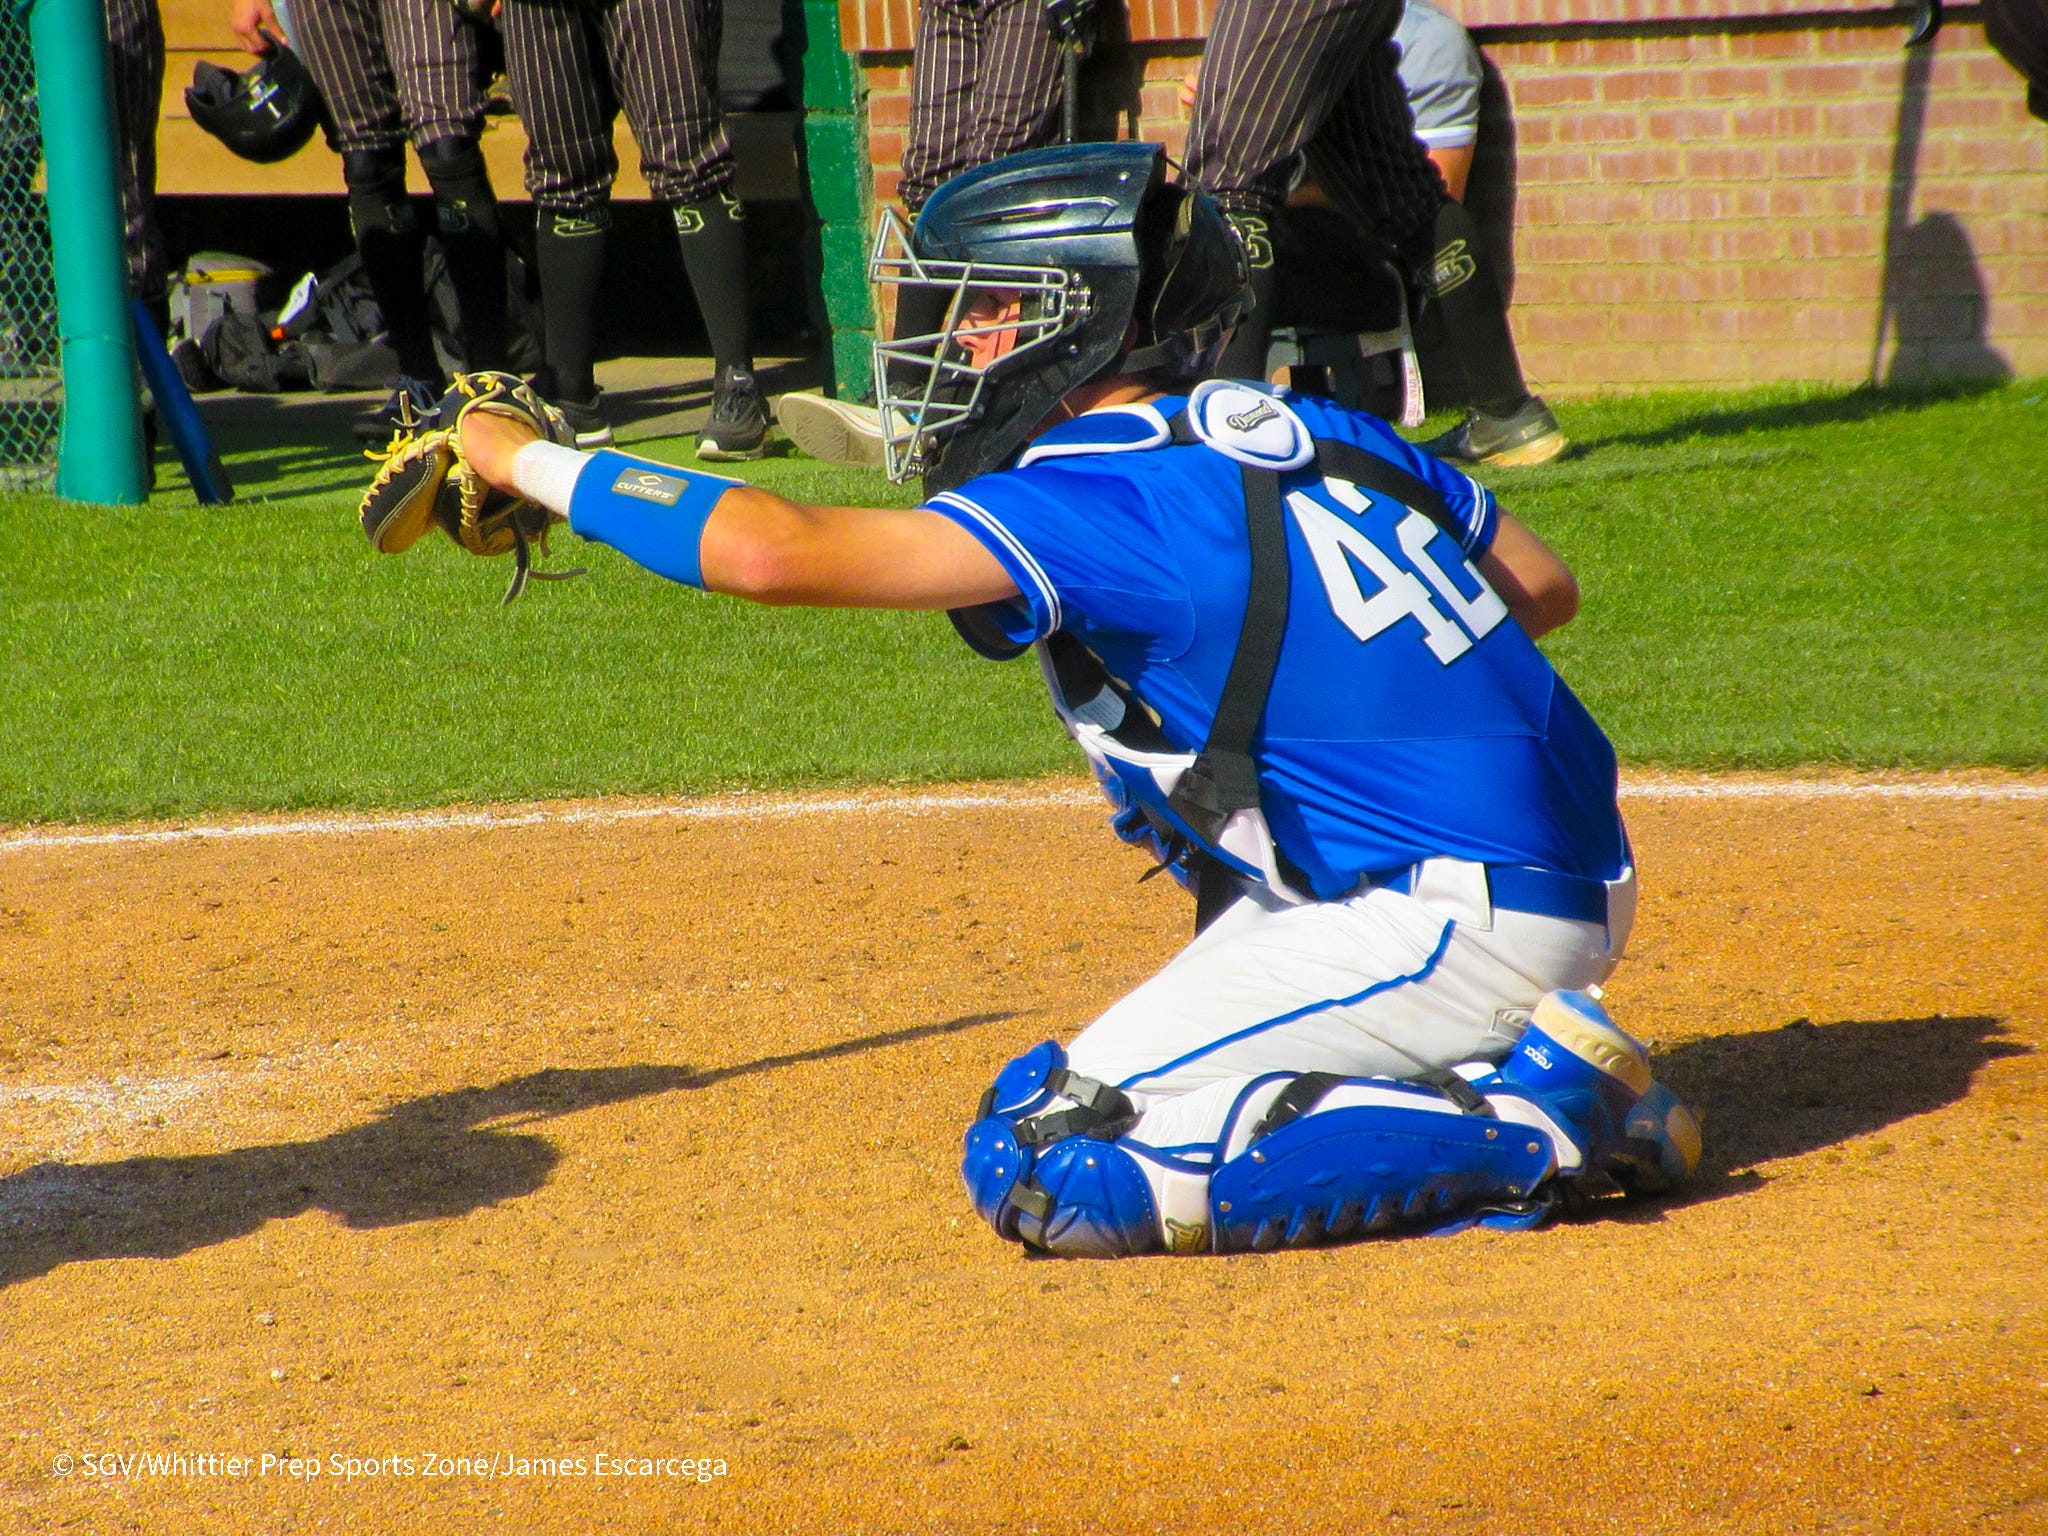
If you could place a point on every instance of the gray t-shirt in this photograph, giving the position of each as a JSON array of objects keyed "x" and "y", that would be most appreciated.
[{"x": 1440, "y": 68}]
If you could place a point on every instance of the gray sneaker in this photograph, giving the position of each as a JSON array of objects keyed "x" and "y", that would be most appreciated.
[
  {"x": 835, "y": 431},
  {"x": 1530, "y": 436}
]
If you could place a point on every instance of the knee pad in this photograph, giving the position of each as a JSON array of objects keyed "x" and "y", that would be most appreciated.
[
  {"x": 1079, "y": 1197},
  {"x": 1021, "y": 1087},
  {"x": 1031, "y": 1084},
  {"x": 1054, "y": 1177},
  {"x": 377, "y": 201},
  {"x": 463, "y": 199},
  {"x": 1362, "y": 1167}
]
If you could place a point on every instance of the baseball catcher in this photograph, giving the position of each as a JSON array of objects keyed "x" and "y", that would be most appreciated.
[{"x": 1299, "y": 655}]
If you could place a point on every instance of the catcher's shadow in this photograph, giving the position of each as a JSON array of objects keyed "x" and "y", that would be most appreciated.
[
  {"x": 1806, "y": 1086},
  {"x": 428, "y": 1158}
]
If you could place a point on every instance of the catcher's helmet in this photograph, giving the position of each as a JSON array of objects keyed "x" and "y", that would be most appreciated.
[
  {"x": 1113, "y": 267},
  {"x": 262, "y": 113}
]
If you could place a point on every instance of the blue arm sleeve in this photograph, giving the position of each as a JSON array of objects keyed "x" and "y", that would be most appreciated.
[{"x": 651, "y": 513}]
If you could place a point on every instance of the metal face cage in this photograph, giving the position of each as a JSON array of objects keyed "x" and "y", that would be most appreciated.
[{"x": 926, "y": 385}]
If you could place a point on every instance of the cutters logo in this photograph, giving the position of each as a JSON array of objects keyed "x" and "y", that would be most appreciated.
[
  {"x": 1185, "y": 1236},
  {"x": 1257, "y": 416},
  {"x": 649, "y": 486},
  {"x": 1453, "y": 269}
]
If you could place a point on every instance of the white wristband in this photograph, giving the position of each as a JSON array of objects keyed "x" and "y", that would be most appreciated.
[{"x": 547, "y": 473}]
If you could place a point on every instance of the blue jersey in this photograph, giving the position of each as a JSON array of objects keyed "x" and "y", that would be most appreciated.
[{"x": 1410, "y": 716}]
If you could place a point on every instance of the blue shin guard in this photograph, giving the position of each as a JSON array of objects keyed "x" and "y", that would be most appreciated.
[{"x": 1342, "y": 1173}]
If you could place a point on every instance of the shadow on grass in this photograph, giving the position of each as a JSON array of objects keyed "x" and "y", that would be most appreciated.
[
  {"x": 1865, "y": 403},
  {"x": 423, "y": 1160},
  {"x": 1791, "y": 1091},
  {"x": 302, "y": 443}
]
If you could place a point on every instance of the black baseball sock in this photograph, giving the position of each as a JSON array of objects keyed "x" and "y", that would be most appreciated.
[
  {"x": 393, "y": 248},
  {"x": 569, "y": 250},
  {"x": 713, "y": 235},
  {"x": 466, "y": 218},
  {"x": 1474, "y": 313},
  {"x": 1245, "y": 356}
]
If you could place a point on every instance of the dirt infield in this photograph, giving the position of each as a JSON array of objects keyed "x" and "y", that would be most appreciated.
[{"x": 597, "y": 1172}]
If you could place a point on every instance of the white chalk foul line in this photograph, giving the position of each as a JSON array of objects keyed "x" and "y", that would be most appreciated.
[
  {"x": 793, "y": 807},
  {"x": 1810, "y": 789},
  {"x": 568, "y": 816}
]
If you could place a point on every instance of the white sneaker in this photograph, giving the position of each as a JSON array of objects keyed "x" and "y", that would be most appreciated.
[{"x": 835, "y": 431}]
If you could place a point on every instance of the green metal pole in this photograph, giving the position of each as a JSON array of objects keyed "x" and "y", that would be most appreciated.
[
  {"x": 99, "y": 455},
  {"x": 841, "y": 185}
]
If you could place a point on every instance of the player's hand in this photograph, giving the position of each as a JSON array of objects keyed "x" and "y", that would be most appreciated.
[
  {"x": 1187, "y": 87},
  {"x": 490, "y": 441},
  {"x": 255, "y": 23}
]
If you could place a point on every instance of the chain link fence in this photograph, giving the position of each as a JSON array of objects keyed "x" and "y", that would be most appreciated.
[{"x": 31, "y": 381}]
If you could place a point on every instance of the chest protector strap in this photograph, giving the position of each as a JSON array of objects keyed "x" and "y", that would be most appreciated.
[{"x": 1224, "y": 778}]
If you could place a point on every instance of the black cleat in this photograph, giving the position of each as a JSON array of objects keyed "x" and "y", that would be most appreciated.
[
  {"x": 1530, "y": 436},
  {"x": 586, "y": 418},
  {"x": 738, "y": 428},
  {"x": 409, "y": 402},
  {"x": 588, "y": 421}
]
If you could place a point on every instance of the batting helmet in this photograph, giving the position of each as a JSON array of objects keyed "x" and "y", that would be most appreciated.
[
  {"x": 1112, "y": 266},
  {"x": 262, "y": 113}
]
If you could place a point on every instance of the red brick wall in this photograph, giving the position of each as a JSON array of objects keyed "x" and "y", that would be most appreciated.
[
  {"x": 1723, "y": 206},
  {"x": 1717, "y": 209}
]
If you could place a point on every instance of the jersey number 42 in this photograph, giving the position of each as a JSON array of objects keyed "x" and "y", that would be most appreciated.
[{"x": 1449, "y": 630}]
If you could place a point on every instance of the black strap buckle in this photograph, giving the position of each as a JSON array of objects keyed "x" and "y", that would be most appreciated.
[
  {"x": 1456, "y": 1089},
  {"x": 1100, "y": 1111},
  {"x": 1296, "y": 1100}
]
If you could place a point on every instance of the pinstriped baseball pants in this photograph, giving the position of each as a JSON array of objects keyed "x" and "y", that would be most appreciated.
[
  {"x": 135, "y": 35},
  {"x": 390, "y": 70},
  {"x": 984, "y": 83},
  {"x": 574, "y": 63},
  {"x": 1283, "y": 77}
]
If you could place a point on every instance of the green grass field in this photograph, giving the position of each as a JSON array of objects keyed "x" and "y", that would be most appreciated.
[{"x": 1770, "y": 579}]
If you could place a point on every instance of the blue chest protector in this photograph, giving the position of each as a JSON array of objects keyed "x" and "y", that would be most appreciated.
[
  {"x": 1202, "y": 811},
  {"x": 1164, "y": 554}
]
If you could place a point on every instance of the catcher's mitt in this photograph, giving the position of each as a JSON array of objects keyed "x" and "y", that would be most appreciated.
[{"x": 425, "y": 481}]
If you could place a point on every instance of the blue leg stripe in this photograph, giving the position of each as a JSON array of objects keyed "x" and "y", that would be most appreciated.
[{"x": 1436, "y": 958}]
